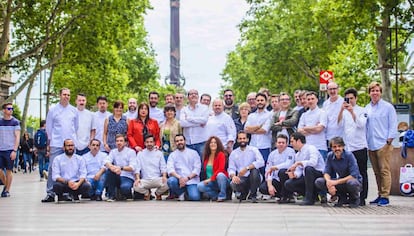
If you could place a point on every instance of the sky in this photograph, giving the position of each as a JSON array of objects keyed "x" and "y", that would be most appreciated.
[{"x": 208, "y": 31}]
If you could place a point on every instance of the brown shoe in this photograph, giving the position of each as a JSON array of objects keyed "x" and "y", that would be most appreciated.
[
  {"x": 158, "y": 197},
  {"x": 147, "y": 197}
]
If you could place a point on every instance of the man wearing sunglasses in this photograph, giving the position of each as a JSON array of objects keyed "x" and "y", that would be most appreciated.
[{"x": 9, "y": 142}]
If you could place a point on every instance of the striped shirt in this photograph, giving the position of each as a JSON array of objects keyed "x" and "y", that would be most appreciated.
[{"x": 7, "y": 137}]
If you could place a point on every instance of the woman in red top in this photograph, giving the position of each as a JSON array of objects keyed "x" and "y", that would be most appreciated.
[
  {"x": 216, "y": 178},
  {"x": 143, "y": 125}
]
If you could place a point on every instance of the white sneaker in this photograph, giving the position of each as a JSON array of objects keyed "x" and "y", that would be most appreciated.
[
  {"x": 266, "y": 197},
  {"x": 181, "y": 197}
]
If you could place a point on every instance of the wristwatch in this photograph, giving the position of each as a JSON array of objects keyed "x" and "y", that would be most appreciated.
[
  {"x": 122, "y": 168},
  {"x": 248, "y": 167}
]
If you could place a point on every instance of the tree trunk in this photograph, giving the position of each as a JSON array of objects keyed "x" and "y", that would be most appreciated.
[{"x": 26, "y": 105}]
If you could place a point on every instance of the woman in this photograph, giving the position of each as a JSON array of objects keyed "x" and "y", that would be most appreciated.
[
  {"x": 113, "y": 125},
  {"x": 168, "y": 129},
  {"x": 143, "y": 125},
  {"x": 26, "y": 145},
  {"x": 244, "y": 110},
  {"x": 216, "y": 177}
]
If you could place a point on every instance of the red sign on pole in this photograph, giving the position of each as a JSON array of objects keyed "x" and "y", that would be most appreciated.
[{"x": 325, "y": 76}]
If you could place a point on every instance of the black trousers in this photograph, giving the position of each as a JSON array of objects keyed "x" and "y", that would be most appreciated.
[
  {"x": 249, "y": 183},
  {"x": 61, "y": 188},
  {"x": 305, "y": 184},
  {"x": 362, "y": 160}
]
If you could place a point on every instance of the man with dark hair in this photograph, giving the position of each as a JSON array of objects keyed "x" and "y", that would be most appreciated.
[
  {"x": 69, "y": 173},
  {"x": 95, "y": 167},
  {"x": 179, "y": 104},
  {"x": 205, "y": 99},
  {"x": 308, "y": 166},
  {"x": 100, "y": 117},
  {"x": 40, "y": 143},
  {"x": 353, "y": 119},
  {"x": 341, "y": 175},
  {"x": 87, "y": 129},
  {"x": 9, "y": 143},
  {"x": 230, "y": 108},
  {"x": 155, "y": 112}
]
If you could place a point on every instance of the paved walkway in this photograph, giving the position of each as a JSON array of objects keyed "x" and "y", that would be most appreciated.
[{"x": 24, "y": 214}]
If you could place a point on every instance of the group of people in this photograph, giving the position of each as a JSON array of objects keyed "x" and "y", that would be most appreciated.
[{"x": 202, "y": 150}]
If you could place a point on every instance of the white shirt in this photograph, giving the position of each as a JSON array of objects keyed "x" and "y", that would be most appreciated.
[
  {"x": 94, "y": 163},
  {"x": 354, "y": 131},
  {"x": 222, "y": 126},
  {"x": 332, "y": 109},
  {"x": 151, "y": 164},
  {"x": 86, "y": 124},
  {"x": 261, "y": 141},
  {"x": 281, "y": 160},
  {"x": 125, "y": 157},
  {"x": 184, "y": 163},
  {"x": 71, "y": 169},
  {"x": 309, "y": 155},
  {"x": 312, "y": 118},
  {"x": 61, "y": 123},
  {"x": 157, "y": 114},
  {"x": 240, "y": 159},
  {"x": 99, "y": 126},
  {"x": 131, "y": 115},
  {"x": 193, "y": 122}
]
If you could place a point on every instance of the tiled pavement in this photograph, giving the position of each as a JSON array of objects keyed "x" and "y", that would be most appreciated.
[{"x": 24, "y": 214}]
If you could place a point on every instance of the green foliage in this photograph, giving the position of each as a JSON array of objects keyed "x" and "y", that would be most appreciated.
[
  {"x": 33, "y": 122},
  {"x": 17, "y": 113}
]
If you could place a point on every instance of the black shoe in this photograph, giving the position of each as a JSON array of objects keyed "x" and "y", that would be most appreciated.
[
  {"x": 324, "y": 199},
  {"x": 75, "y": 199},
  {"x": 354, "y": 203},
  {"x": 362, "y": 202},
  {"x": 64, "y": 198},
  {"x": 48, "y": 198},
  {"x": 285, "y": 200},
  {"x": 253, "y": 199},
  {"x": 98, "y": 198},
  {"x": 93, "y": 197}
]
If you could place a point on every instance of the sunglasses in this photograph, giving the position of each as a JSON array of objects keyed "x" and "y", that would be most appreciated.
[{"x": 9, "y": 108}]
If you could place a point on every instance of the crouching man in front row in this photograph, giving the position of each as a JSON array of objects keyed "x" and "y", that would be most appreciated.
[
  {"x": 341, "y": 176},
  {"x": 69, "y": 173}
]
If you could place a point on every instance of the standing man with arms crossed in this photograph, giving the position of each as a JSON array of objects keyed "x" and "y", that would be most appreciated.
[
  {"x": 86, "y": 130},
  {"x": 381, "y": 130},
  {"x": 9, "y": 143},
  {"x": 62, "y": 123}
]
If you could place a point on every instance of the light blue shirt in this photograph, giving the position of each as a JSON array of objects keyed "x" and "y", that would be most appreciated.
[
  {"x": 261, "y": 141},
  {"x": 69, "y": 168},
  {"x": 240, "y": 159},
  {"x": 94, "y": 163},
  {"x": 308, "y": 155},
  {"x": 184, "y": 163},
  {"x": 125, "y": 157},
  {"x": 281, "y": 160},
  {"x": 193, "y": 122},
  {"x": 62, "y": 123},
  {"x": 157, "y": 114},
  {"x": 223, "y": 127},
  {"x": 99, "y": 126},
  {"x": 151, "y": 164},
  {"x": 381, "y": 124}
]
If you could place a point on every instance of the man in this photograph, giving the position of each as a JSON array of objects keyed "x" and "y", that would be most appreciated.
[
  {"x": 244, "y": 164},
  {"x": 303, "y": 102},
  {"x": 152, "y": 170},
  {"x": 95, "y": 168},
  {"x": 40, "y": 143},
  {"x": 312, "y": 124},
  {"x": 332, "y": 107},
  {"x": 100, "y": 117},
  {"x": 132, "y": 112},
  {"x": 121, "y": 165},
  {"x": 221, "y": 125},
  {"x": 230, "y": 108},
  {"x": 258, "y": 125},
  {"x": 279, "y": 159},
  {"x": 9, "y": 143},
  {"x": 298, "y": 101},
  {"x": 274, "y": 103},
  {"x": 62, "y": 122},
  {"x": 169, "y": 99},
  {"x": 69, "y": 173},
  {"x": 86, "y": 130},
  {"x": 183, "y": 167},
  {"x": 381, "y": 130},
  {"x": 251, "y": 99},
  {"x": 179, "y": 104},
  {"x": 285, "y": 120},
  {"x": 308, "y": 166},
  {"x": 155, "y": 112},
  {"x": 353, "y": 119},
  {"x": 205, "y": 99},
  {"x": 193, "y": 119},
  {"x": 341, "y": 175}
]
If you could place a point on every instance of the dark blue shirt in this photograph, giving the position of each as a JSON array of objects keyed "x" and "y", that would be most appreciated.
[{"x": 341, "y": 168}]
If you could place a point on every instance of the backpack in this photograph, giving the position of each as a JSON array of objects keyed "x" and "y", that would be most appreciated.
[
  {"x": 40, "y": 139},
  {"x": 408, "y": 142}
]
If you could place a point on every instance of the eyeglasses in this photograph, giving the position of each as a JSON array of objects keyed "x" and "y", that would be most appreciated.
[
  {"x": 192, "y": 94},
  {"x": 95, "y": 145},
  {"x": 332, "y": 89},
  {"x": 284, "y": 99},
  {"x": 10, "y": 108},
  {"x": 228, "y": 95}
]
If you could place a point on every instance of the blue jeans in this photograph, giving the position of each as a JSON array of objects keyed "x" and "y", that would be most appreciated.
[
  {"x": 96, "y": 186},
  {"x": 265, "y": 153},
  {"x": 198, "y": 147},
  {"x": 16, "y": 161},
  {"x": 192, "y": 191},
  {"x": 43, "y": 161},
  {"x": 54, "y": 152},
  {"x": 27, "y": 160},
  {"x": 115, "y": 181},
  {"x": 215, "y": 189},
  {"x": 324, "y": 154}
]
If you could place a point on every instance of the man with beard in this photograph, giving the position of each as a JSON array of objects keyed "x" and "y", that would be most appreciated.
[
  {"x": 179, "y": 104},
  {"x": 169, "y": 99},
  {"x": 86, "y": 130},
  {"x": 132, "y": 112},
  {"x": 230, "y": 108},
  {"x": 100, "y": 117},
  {"x": 121, "y": 164},
  {"x": 244, "y": 164},
  {"x": 69, "y": 173},
  {"x": 258, "y": 125},
  {"x": 341, "y": 175},
  {"x": 184, "y": 167},
  {"x": 95, "y": 167},
  {"x": 152, "y": 170},
  {"x": 155, "y": 112}
]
